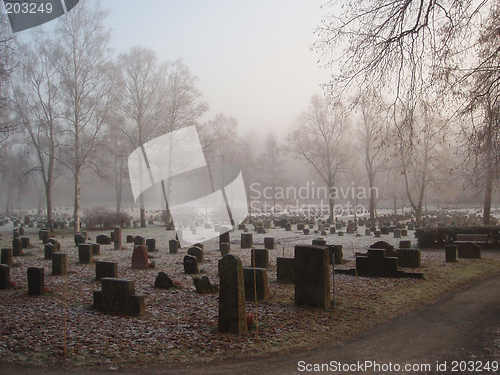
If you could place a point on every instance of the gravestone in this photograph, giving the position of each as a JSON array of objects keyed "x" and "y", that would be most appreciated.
[
  {"x": 225, "y": 248},
  {"x": 267, "y": 224},
  {"x": 96, "y": 248},
  {"x": 56, "y": 243},
  {"x": 285, "y": 270},
  {"x": 384, "y": 230},
  {"x": 336, "y": 255},
  {"x": 43, "y": 235},
  {"x": 300, "y": 226},
  {"x": 389, "y": 249},
  {"x": 203, "y": 285},
  {"x": 85, "y": 253},
  {"x": 200, "y": 245},
  {"x": 102, "y": 239},
  {"x": 269, "y": 243},
  {"x": 375, "y": 264},
  {"x": 197, "y": 252},
  {"x": 163, "y": 281},
  {"x": 118, "y": 296},
  {"x": 305, "y": 231},
  {"x": 106, "y": 269},
  {"x": 284, "y": 223},
  {"x": 404, "y": 232},
  {"x": 80, "y": 238},
  {"x": 25, "y": 242},
  {"x": 312, "y": 276},
  {"x": 340, "y": 233},
  {"x": 16, "y": 233},
  {"x": 261, "y": 230},
  {"x": 246, "y": 240},
  {"x": 377, "y": 233},
  {"x": 288, "y": 227},
  {"x": 36, "y": 281},
  {"x": 173, "y": 246},
  {"x": 450, "y": 253},
  {"x": 469, "y": 250},
  {"x": 411, "y": 226},
  {"x": 191, "y": 265},
  {"x": 232, "y": 309},
  {"x": 351, "y": 227},
  {"x": 140, "y": 258},
  {"x": 405, "y": 244},
  {"x": 7, "y": 256},
  {"x": 260, "y": 258},
  {"x": 224, "y": 237},
  {"x": 368, "y": 232},
  {"x": 130, "y": 238},
  {"x": 49, "y": 249},
  {"x": 408, "y": 258},
  {"x": 397, "y": 233},
  {"x": 139, "y": 241},
  {"x": 332, "y": 230},
  {"x": 258, "y": 283},
  {"x": 319, "y": 242},
  {"x": 59, "y": 264},
  {"x": 117, "y": 238},
  {"x": 17, "y": 248},
  {"x": 151, "y": 245},
  {"x": 4, "y": 276}
]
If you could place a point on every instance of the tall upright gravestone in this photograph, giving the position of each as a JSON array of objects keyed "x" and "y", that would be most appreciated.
[
  {"x": 232, "y": 313},
  {"x": 312, "y": 276}
]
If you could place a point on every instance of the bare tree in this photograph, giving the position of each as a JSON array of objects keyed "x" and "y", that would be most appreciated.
[
  {"x": 36, "y": 101},
  {"x": 83, "y": 61},
  {"x": 271, "y": 162},
  {"x": 319, "y": 141},
  {"x": 143, "y": 100}
]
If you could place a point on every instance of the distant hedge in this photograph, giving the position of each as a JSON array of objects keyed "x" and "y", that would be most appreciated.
[{"x": 438, "y": 237}]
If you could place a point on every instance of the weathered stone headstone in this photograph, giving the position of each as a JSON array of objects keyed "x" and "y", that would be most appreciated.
[
  {"x": 351, "y": 227},
  {"x": 246, "y": 240},
  {"x": 80, "y": 238},
  {"x": 36, "y": 281},
  {"x": 198, "y": 253},
  {"x": 130, "y": 238},
  {"x": 7, "y": 256},
  {"x": 259, "y": 283},
  {"x": 85, "y": 253},
  {"x": 4, "y": 276},
  {"x": 17, "y": 248},
  {"x": 267, "y": 224},
  {"x": 408, "y": 258},
  {"x": 151, "y": 244},
  {"x": 319, "y": 242},
  {"x": 140, "y": 258},
  {"x": 300, "y": 226},
  {"x": 450, "y": 253},
  {"x": 285, "y": 270},
  {"x": 16, "y": 233},
  {"x": 389, "y": 249},
  {"x": 139, "y": 241},
  {"x": 118, "y": 296},
  {"x": 261, "y": 230},
  {"x": 25, "y": 242},
  {"x": 173, "y": 246},
  {"x": 340, "y": 233},
  {"x": 269, "y": 243},
  {"x": 49, "y": 249},
  {"x": 288, "y": 227},
  {"x": 102, "y": 239},
  {"x": 232, "y": 311},
  {"x": 203, "y": 285},
  {"x": 312, "y": 276},
  {"x": 336, "y": 255},
  {"x": 117, "y": 238},
  {"x": 191, "y": 265},
  {"x": 384, "y": 230},
  {"x": 377, "y": 233},
  {"x": 368, "y": 232},
  {"x": 404, "y": 232},
  {"x": 260, "y": 257},
  {"x": 332, "y": 230},
  {"x": 224, "y": 237},
  {"x": 59, "y": 264},
  {"x": 405, "y": 244},
  {"x": 43, "y": 234},
  {"x": 469, "y": 250},
  {"x": 163, "y": 281},
  {"x": 96, "y": 249},
  {"x": 397, "y": 233},
  {"x": 225, "y": 248},
  {"x": 56, "y": 243},
  {"x": 106, "y": 269}
]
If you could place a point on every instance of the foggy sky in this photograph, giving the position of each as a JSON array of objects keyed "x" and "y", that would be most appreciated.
[{"x": 252, "y": 58}]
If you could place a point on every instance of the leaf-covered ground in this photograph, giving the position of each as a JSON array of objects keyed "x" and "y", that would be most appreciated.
[{"x": 180, "y": 325}]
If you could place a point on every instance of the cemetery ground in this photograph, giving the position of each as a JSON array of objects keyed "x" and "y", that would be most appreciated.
[{"x": 180, "y": 325}]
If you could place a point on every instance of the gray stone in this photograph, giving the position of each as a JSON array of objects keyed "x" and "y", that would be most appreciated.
[
  {"x": 163, "y": 281},
  {"x": 191, "y": 265},
  {"x": 408, "y": 258},
  {"x": 203, "y": 285},
  {"x": 49, "y": 249},
  {"x": 96, "y": 249},
  {"x": 285, "y": 270},
  {"x": 246, "y": 240},
  {"x": 260, "y": 258},
  {"x": 151, "y": 245},
  {"x": 225, "y": 248},
  {"x": 450, "y": 253},
  {"x": 36, "y": 281},
  {"x": 17, "y": 248},
  {"x": 269, "y": 243},
  {"x": 139, "y": 241},
  {"x": 118, "y": 296},
  {"x": 258, "y": 283},
  {"x": 173, "y": 246},
  {"x": 232, "y": 309},
  {"x": 85, "y": 253},
  {"x": 312, "y": 276},
  {"x": 7, "y": 256},
  {"x": 469, "y": 250},
  {"x": 25, "y": 242},
  {"x": 102, "y": 239},
  {"x": 4, "y": 276},
  {"x": 117, "y": 238},
  {"x": 59, "y": 264},
  {"x": 106, "y": 269},
  {"x": 198, "y": 253}
]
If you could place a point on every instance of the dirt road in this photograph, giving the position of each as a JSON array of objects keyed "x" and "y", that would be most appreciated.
[{"x": 461, "y": 326}]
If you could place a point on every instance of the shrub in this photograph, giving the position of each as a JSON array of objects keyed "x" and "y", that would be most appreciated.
[
  {"x": 103, "y": 218},
  {"x": 438, "y": 237}
]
